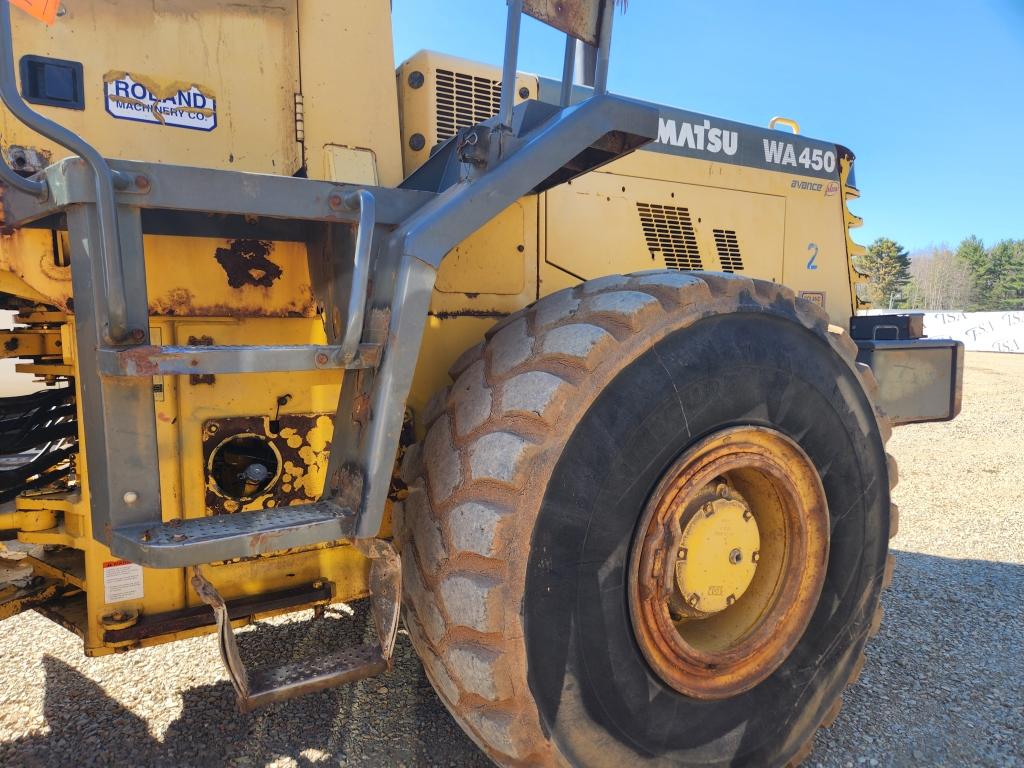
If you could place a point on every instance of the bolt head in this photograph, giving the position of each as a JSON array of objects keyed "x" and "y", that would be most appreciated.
[
  {"x": 335, "y": 202},
  {"x": 130, "y": 497},
  {"x": 321, "y": 358}
]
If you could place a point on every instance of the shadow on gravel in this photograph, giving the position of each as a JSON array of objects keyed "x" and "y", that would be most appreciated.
[
  {"x": 942, "y": 686},
  {"x": 394, "y": 719},
  {"x": 944, "y": 678}
]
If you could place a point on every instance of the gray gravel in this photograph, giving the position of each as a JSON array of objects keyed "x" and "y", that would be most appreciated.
[
  {"x": 943, "y": 684},
  {"x": 944, "y": 679}
]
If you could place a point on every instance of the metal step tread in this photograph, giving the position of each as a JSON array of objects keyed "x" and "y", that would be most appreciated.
[
  {"x": 180, "y": 543},
  {"x": 314, "y": 674}
]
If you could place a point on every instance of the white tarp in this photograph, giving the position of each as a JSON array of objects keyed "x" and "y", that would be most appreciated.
[{"x": 979, "y": 331}]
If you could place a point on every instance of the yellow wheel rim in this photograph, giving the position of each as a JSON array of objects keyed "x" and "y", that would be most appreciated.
[{"x": 729, "y": 562}]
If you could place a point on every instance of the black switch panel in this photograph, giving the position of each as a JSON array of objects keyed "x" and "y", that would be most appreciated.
[{"x": 53, "y": 82}]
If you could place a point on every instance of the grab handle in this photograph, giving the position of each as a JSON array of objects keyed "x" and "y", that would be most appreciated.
[
  {"x": 106, "y": 179},
  {"x": 793, "y": 125}
]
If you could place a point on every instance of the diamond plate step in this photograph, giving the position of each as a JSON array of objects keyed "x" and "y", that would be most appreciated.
[
  {"x": 295, "y": 678},
  {"x": 181, "y": 543},
  {"x": 315, "y": 674}
]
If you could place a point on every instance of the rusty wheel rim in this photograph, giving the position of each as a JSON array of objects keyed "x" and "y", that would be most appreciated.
[{"x": 713, "y": 615}]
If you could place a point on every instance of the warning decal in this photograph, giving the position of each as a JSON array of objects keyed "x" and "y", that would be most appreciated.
[
  {"x": 45, "y": 10},
  {"x": 121, "y": 581},
  {"x": 179, "y": 105}
]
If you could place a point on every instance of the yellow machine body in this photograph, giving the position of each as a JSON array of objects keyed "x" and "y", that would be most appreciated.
[{"x": 309, "y": 87}]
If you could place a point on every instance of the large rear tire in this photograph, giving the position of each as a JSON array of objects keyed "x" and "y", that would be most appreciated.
[{"x": 527, "y": 528}]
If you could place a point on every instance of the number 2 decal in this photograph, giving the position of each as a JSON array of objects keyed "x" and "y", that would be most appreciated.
[{"x": 814, "y": 255}]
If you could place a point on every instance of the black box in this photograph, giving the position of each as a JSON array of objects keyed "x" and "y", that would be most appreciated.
[{"x": 887, "y": 327}]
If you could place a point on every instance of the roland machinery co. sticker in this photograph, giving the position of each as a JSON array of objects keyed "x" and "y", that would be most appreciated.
[{"x": 176, "y": 105}]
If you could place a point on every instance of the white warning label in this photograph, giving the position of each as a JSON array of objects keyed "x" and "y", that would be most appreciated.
[
  {"x": 121, "y": 581},
  {"x": 179, "y": 105}
]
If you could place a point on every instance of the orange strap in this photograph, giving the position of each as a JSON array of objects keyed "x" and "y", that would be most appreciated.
[{"x": 44, "y": 10}]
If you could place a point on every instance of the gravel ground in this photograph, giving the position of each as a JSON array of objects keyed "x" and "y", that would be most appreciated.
[{"x": 943, "y": 683}]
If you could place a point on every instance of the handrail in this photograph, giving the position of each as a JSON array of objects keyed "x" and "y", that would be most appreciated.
[
  {"x": 361, "y": 200},
  {"x": 509, "y": 68},
  {"x": 105, "y": 178}
]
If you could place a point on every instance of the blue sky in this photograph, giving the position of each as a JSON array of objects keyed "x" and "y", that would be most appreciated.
[{"x": 928, "y": 95}]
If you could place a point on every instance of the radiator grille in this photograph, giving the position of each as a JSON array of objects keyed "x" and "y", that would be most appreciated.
[
  {"x": 669, "y": 231},
  {"x": 728, "y": 250},
  {"x": 464, "y": 100}
]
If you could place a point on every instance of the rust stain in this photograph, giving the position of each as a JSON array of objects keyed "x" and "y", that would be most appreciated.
[
  {"x": 196, "y": 379},
  {"x": 483, "y": 313},
  {"x": 246, "y": 262},
  {"x": 180, "y": 302},
  {"x": 580, "y": 18},
  {"x": 138, "y": 361},
  {"x": 347, "y": 487}
]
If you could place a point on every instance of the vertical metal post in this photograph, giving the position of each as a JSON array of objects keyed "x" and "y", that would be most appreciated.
[
  {"x": 585, "y": 63},
  {"x": 604, "y": 48},
  {"x": 118, "y": 417},
  {"x": 508, "y": 77},
  {"x": 568, "y": 66}
]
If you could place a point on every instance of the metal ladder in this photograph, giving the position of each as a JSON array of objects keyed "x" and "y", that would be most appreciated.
[{"x": 373, "y": 255}]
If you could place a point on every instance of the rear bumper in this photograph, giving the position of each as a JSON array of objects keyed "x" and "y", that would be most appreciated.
[{"x": 918, "y": 379}]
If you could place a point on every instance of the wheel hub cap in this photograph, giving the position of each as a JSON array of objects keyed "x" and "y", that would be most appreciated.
[{"x": 718, "y": 555}]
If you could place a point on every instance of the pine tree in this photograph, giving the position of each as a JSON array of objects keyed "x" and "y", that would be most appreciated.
[
  {"x": 889, "y": 266},
  {"x": 997, "y": 274},
  {"x": 972, "y": 252},
  {"x": 1007, "y": 260}
]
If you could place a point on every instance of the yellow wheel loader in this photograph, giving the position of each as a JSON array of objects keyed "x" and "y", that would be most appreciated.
[{"x": 571, "y": 381}]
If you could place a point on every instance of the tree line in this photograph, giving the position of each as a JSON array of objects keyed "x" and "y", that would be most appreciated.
[{"x": 971, "y": 277}]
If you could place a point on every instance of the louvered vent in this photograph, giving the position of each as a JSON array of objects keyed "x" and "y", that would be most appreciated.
[
  {"x": 728, "y": 250},
  {"x": 669, "y": 231},
  {"x": 464, "y": 100}
]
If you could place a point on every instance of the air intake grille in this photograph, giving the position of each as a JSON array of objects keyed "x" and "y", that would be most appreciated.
[
  {"x": 464, "y": 100},
  {"x": 669, "y": 231},
  {"x": 728, "y": 250}
]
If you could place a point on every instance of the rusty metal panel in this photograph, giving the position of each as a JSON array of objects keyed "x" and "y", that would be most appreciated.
[
  {"x": 579, "y": 18},
  {"x": 918, "y": 380},
  {"x": 298, "y": 444}
]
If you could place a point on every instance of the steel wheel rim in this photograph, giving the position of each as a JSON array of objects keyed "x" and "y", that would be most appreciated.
[{"x": 757, "y": 474}]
